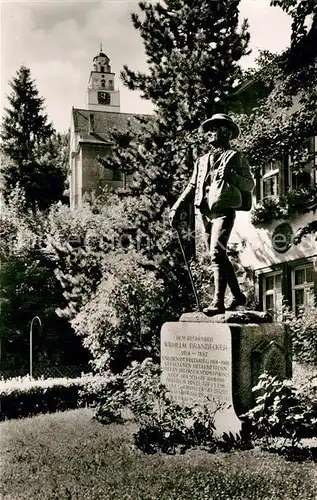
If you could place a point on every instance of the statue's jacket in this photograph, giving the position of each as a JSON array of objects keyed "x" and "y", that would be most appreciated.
[{"x": 239, "y": 175}]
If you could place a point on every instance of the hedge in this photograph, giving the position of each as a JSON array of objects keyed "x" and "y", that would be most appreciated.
[{"x": 24, "y": 397}]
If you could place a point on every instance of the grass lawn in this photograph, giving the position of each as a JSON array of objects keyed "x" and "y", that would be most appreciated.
[{"x": 70, "y": 456}]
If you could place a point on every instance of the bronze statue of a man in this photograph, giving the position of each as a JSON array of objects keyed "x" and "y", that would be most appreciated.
[{"x": 221, "y": 183}]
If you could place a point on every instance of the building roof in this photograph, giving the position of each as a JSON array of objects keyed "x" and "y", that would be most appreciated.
[
  {"x": 241, "y": 87},
  {"x": 93, "y": 126}
]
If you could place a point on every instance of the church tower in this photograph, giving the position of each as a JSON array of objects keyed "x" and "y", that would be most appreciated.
[{"x": 101, "y": 93}]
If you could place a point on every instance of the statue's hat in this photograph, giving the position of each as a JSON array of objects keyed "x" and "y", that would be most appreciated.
[{"x": 221, "y": 119}]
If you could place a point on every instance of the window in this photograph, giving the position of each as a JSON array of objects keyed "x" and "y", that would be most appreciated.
[
  {"x": 270, "y": 180},
  {"x": 272, "y": 293},
  {"x": 103, "y": 84},
  {"x": 102, "y": 69},
  {"x": 116, "y": 175},
  {"x": 111, "y": 84},
  {"x": 305, "y": 176},
  {"x": 303, "y": 287},
  {"x": 270, "y": 187}
]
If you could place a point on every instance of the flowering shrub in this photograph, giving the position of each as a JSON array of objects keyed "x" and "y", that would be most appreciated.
[
  {"x": 283, "y": 410},
  {"x": 266, "y": 211},
  {"x": 303, "y": 329},
  {"x": 107, "y": 397},
  {"x": 295, "y": 200},
  {"x": 163, "y": 425}
]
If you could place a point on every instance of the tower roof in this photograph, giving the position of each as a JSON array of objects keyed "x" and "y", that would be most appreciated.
[{"x": 101, "y": 54}]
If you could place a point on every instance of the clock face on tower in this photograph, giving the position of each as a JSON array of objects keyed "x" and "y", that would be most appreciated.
[{"x": 103, "y": 98}]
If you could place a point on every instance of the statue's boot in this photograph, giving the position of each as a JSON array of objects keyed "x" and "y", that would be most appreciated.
[
  {"x": 217, "y": 306},
  {"x": 238, "y": 298}
]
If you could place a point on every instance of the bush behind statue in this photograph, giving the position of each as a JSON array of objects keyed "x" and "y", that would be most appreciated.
[
  {"x": 283, "y": 410},
  {"x": 118, "y": 323},
  {"x": 163, "y": 425},
  {"x": 303, "y": 330}
]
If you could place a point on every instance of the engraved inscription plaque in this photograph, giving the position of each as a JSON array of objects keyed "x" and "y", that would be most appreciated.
[{"x": 197, "y": 368}]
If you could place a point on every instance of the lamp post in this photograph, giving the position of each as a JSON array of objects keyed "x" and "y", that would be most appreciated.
[{"x": 31, "y": 341}]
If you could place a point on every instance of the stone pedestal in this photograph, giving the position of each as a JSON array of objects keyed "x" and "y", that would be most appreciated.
[{"x": 204, "y": 361}]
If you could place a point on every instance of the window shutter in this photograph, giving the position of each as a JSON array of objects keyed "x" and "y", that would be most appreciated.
[
  {"x": 284, "y": 175},
  {"x": 257, "y": 189},
  {"x": 287, "y": 284}
]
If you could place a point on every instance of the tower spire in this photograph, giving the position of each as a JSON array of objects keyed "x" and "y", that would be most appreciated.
[{"x": 102, "y": 95}]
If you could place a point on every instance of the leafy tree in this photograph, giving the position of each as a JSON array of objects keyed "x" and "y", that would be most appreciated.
[
  {"x": 29, "y": 287},
  {"x": 287, "y": 117},
  {"x": 34, "y": 154},
  {"x": 291, "y": 74},
  {"x": 63, "y": 146},
  {"x": 118, "y": 323},
  {"x": 77, "y": 241},
  {"x": 301, "y": 11}
]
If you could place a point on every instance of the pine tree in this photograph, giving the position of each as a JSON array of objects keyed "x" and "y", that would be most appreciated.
[
  {"x": 25, "y": 124},
  {"x": 29, "y": 145},
  {"x": 193, "y": 48}
]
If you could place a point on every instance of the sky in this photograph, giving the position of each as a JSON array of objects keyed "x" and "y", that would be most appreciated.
[{"x": 57, "y": 40}]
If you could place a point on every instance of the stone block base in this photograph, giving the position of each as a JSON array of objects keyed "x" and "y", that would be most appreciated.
[
  {"x": 256, "y": 349},
  {"x": 219, "y": 363}
]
